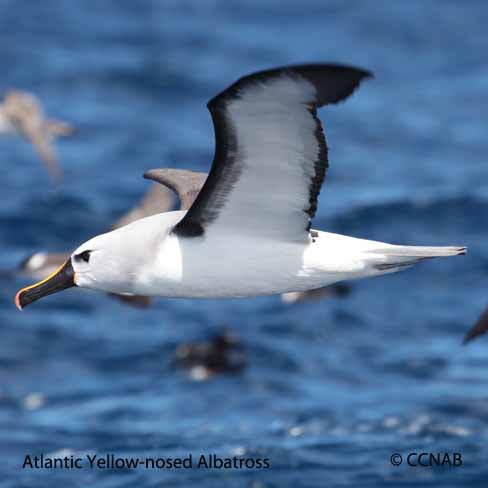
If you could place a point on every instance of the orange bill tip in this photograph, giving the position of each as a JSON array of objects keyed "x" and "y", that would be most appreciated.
[{"x": 17, "y": 299}]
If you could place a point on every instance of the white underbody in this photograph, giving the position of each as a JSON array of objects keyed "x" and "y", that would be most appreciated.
[
  {"x": 240, "y": 267},
  {"x": 233, "y": 265}
]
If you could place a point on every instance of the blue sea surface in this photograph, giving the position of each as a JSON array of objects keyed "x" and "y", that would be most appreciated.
[{"x": 332, "y": 388}]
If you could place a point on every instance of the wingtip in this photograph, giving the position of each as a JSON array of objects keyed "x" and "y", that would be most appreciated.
[
  {"x": 470, "y": 336},
  {"x": 157, "y": 174},
  {"x": 479, "y": 329},
  {"x": 149, "y": 174},
  {"x": 360, "y": 74},
  {"x": 368, "y": 74}
]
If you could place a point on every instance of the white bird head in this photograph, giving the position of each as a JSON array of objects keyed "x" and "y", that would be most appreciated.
[{"x": 108, "y": 262}]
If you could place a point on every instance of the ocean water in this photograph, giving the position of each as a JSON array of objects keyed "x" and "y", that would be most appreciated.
[{"x": 332, "y": 389}]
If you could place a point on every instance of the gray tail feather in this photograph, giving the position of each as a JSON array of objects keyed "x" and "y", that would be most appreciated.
[
  {"x": 402, "y": 257},
  {"x": 424, "y": 251},
  {"x": 396, "y": 266}
]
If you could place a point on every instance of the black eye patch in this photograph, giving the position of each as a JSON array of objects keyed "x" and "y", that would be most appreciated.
[{"x": 83, "y": 256}]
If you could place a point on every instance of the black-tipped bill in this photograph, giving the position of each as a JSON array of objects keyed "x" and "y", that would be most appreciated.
[{"x": 62, "y": 278}]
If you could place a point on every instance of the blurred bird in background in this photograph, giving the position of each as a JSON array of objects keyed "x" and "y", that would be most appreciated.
[
  {"x": 221, "y": 354},
  {"x": 21, "y": 113}
]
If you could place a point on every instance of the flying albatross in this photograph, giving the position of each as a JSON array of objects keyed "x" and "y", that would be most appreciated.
[
  {"x": 21, "y": 113},
  {"x": 248, "y": 232}
]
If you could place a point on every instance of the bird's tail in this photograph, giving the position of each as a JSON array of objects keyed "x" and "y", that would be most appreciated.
[{"x": 394, "y": 258}]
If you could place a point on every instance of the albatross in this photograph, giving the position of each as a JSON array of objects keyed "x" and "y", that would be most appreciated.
[{"x": 248, "y": 232}]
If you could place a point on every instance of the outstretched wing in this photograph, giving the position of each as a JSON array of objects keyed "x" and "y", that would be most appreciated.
[
  {"x": 270, "y": 152},
  {"x": 160, "y": 198},
  {"x": 43, "y": 145},
  {"x": 186, "y": 184}
]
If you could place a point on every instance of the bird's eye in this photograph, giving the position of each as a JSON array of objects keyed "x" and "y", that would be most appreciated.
[{"x": 85, "y": 256}]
